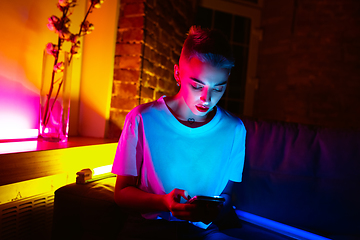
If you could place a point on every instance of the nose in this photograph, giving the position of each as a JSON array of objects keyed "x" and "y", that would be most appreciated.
[{"x": 206, "y": 96}]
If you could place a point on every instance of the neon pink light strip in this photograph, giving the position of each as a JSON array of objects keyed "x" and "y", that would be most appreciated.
[{"x": 6, "y": 134}]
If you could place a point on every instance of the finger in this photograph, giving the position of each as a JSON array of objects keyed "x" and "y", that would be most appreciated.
[
  {"x": 185, "y": 195},
  {"x": 183, "y": 207},
  {"x": 187, "y": 215},
  {"x": 176, "y": 195},
  {"x": 186, "y": 211},
  {"x": 181, "y": 193}
]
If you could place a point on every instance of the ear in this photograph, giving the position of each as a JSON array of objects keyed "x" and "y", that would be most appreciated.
[{"x": 176, "y": 72}]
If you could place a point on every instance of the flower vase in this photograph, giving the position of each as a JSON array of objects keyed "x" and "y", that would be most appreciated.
[{"x": 55, "y": 97}]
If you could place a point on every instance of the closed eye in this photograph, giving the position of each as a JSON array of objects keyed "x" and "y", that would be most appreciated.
[
  {"x": 218, "y": 89},
  {"x": 196, "y": 86},
  {"x": 199, "y": 87}
]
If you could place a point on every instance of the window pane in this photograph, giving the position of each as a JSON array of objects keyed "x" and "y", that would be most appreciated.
[
  {"x": 238, "y": 73},
  {"x": 242, "y": 30},
  {"x": 235, "y": 107},
  {"x": 203, "y": 17},
  {"x": 223, "y": 22}
]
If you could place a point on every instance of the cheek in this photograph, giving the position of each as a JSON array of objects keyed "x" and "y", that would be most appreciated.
[
  {"x": 189, "y": 94},
  {"x": 221, "y": 94},
  {"x": 217, "y": 97}
]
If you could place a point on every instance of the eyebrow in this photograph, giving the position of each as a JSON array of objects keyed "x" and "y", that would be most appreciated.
[{"x": 197, "y": 80}]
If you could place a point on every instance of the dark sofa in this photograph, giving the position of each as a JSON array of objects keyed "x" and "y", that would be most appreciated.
[{"x": 304, "y": 176}]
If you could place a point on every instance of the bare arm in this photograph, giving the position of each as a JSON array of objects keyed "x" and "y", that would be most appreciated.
[{"x": 129, "y": 196}]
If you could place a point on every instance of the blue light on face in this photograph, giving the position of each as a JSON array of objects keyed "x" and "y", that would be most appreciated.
[{"x": 278, "y": 227}]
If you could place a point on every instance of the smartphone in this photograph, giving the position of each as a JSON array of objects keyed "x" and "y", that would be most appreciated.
[{"x": 207, "y": 200}]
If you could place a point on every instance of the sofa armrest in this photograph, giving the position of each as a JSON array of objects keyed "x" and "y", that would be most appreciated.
[{"x": 87, "y": 211}]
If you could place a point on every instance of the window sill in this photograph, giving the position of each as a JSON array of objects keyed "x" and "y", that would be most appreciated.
[
  {"x": 31, "y": 159},
  {"x": 34, "y": 145}
]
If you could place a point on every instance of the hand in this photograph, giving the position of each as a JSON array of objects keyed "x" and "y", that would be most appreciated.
[
  {"x": 205, "y": 213},
  {"x": 179, "y": 210}
]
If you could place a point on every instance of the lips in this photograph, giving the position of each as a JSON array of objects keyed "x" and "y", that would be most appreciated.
[{"x": 201, "y": 108}]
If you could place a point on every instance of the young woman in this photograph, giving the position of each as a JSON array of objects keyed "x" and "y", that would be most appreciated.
[{"x": 182, "y": 146}]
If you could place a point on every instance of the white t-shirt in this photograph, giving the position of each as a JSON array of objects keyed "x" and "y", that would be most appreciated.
[{"x": 166, "y": 154}]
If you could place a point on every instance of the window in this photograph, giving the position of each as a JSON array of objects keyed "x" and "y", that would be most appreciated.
[{"x": 236, "y": 19}]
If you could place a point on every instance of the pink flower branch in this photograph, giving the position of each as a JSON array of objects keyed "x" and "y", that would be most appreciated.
[{"x": 61, "y": 27}]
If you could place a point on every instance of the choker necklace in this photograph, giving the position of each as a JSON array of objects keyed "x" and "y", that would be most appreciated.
[{"x": 191, "y": 120}]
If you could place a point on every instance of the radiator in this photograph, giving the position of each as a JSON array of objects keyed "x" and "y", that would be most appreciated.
[{"x": 28, "y": 218}]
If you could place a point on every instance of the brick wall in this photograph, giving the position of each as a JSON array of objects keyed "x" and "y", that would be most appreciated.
[
  {"x": 149, "y": 41},
  {"x": 309, "y": 62}
]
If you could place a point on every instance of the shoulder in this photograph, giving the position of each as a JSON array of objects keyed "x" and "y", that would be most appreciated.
[
  {"x": 144, "y": 109},
  {"x": 230, "y": 119}
]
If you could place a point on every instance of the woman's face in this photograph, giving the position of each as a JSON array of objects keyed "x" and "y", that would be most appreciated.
[{"x": 202, "y": 85}]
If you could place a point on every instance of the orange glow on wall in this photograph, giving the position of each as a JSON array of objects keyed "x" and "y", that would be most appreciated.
[
  {"x": 23, "y": 38},
  {"x": 97, "y": 80},
  {"x": 24, "y": 35}
]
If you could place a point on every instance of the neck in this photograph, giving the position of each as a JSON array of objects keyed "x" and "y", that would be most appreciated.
[
  {"x": 184, "y": 115},
  {"x": 181, "y": 111}
]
